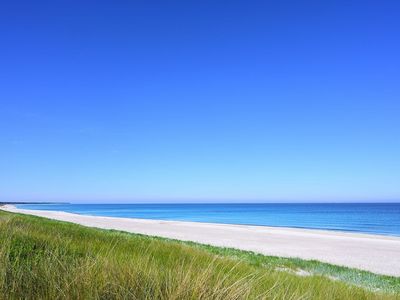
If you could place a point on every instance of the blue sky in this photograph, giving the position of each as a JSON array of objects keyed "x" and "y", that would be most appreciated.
[{"x": 170, "y": 101}]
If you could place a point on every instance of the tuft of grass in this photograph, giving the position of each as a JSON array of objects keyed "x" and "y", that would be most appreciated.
[{"x": 46, "y": 259}]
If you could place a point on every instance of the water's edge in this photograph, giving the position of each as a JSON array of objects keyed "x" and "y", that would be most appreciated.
[{"x": 370, "y": 218}]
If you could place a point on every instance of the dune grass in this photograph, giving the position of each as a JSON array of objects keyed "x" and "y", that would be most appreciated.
[{"x": 45, "y": 259}]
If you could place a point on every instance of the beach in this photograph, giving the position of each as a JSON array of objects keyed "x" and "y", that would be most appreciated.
[{"x": 375, "y": 253}]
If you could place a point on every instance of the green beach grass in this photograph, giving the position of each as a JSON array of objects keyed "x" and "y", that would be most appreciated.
[{"x": 46, "y": 259}]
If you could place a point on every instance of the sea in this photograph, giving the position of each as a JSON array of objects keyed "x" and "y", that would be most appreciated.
[{"x": 373, "y": 218}]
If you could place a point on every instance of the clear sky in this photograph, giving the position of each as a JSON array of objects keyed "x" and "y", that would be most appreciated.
[{"x": 122, "y": 101}]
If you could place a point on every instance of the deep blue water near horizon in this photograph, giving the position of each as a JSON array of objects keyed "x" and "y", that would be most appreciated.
[{"x": 375, "y": 218}]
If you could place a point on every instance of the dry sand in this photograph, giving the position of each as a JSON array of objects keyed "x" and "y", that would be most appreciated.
[{"x": 375, "y": 253}]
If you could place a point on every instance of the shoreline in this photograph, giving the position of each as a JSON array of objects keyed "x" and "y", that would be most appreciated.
[
  {"x": 372, "y": 233},
  {"x": 375, "y": 253}
]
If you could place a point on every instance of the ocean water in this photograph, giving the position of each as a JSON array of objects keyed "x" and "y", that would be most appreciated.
[{"x": 382, "y": 218}]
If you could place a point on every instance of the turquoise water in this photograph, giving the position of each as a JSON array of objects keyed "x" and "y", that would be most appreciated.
[{"x": 382, "y": 218}]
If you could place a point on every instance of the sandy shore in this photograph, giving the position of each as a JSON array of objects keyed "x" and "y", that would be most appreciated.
[{"x": 378, "y": 254}]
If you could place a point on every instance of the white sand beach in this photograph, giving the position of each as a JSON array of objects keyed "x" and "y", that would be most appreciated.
[{"x": 375, "y": 253}]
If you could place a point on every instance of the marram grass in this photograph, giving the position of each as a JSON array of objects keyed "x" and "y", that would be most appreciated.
[{"x": 45, "y": 259}]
